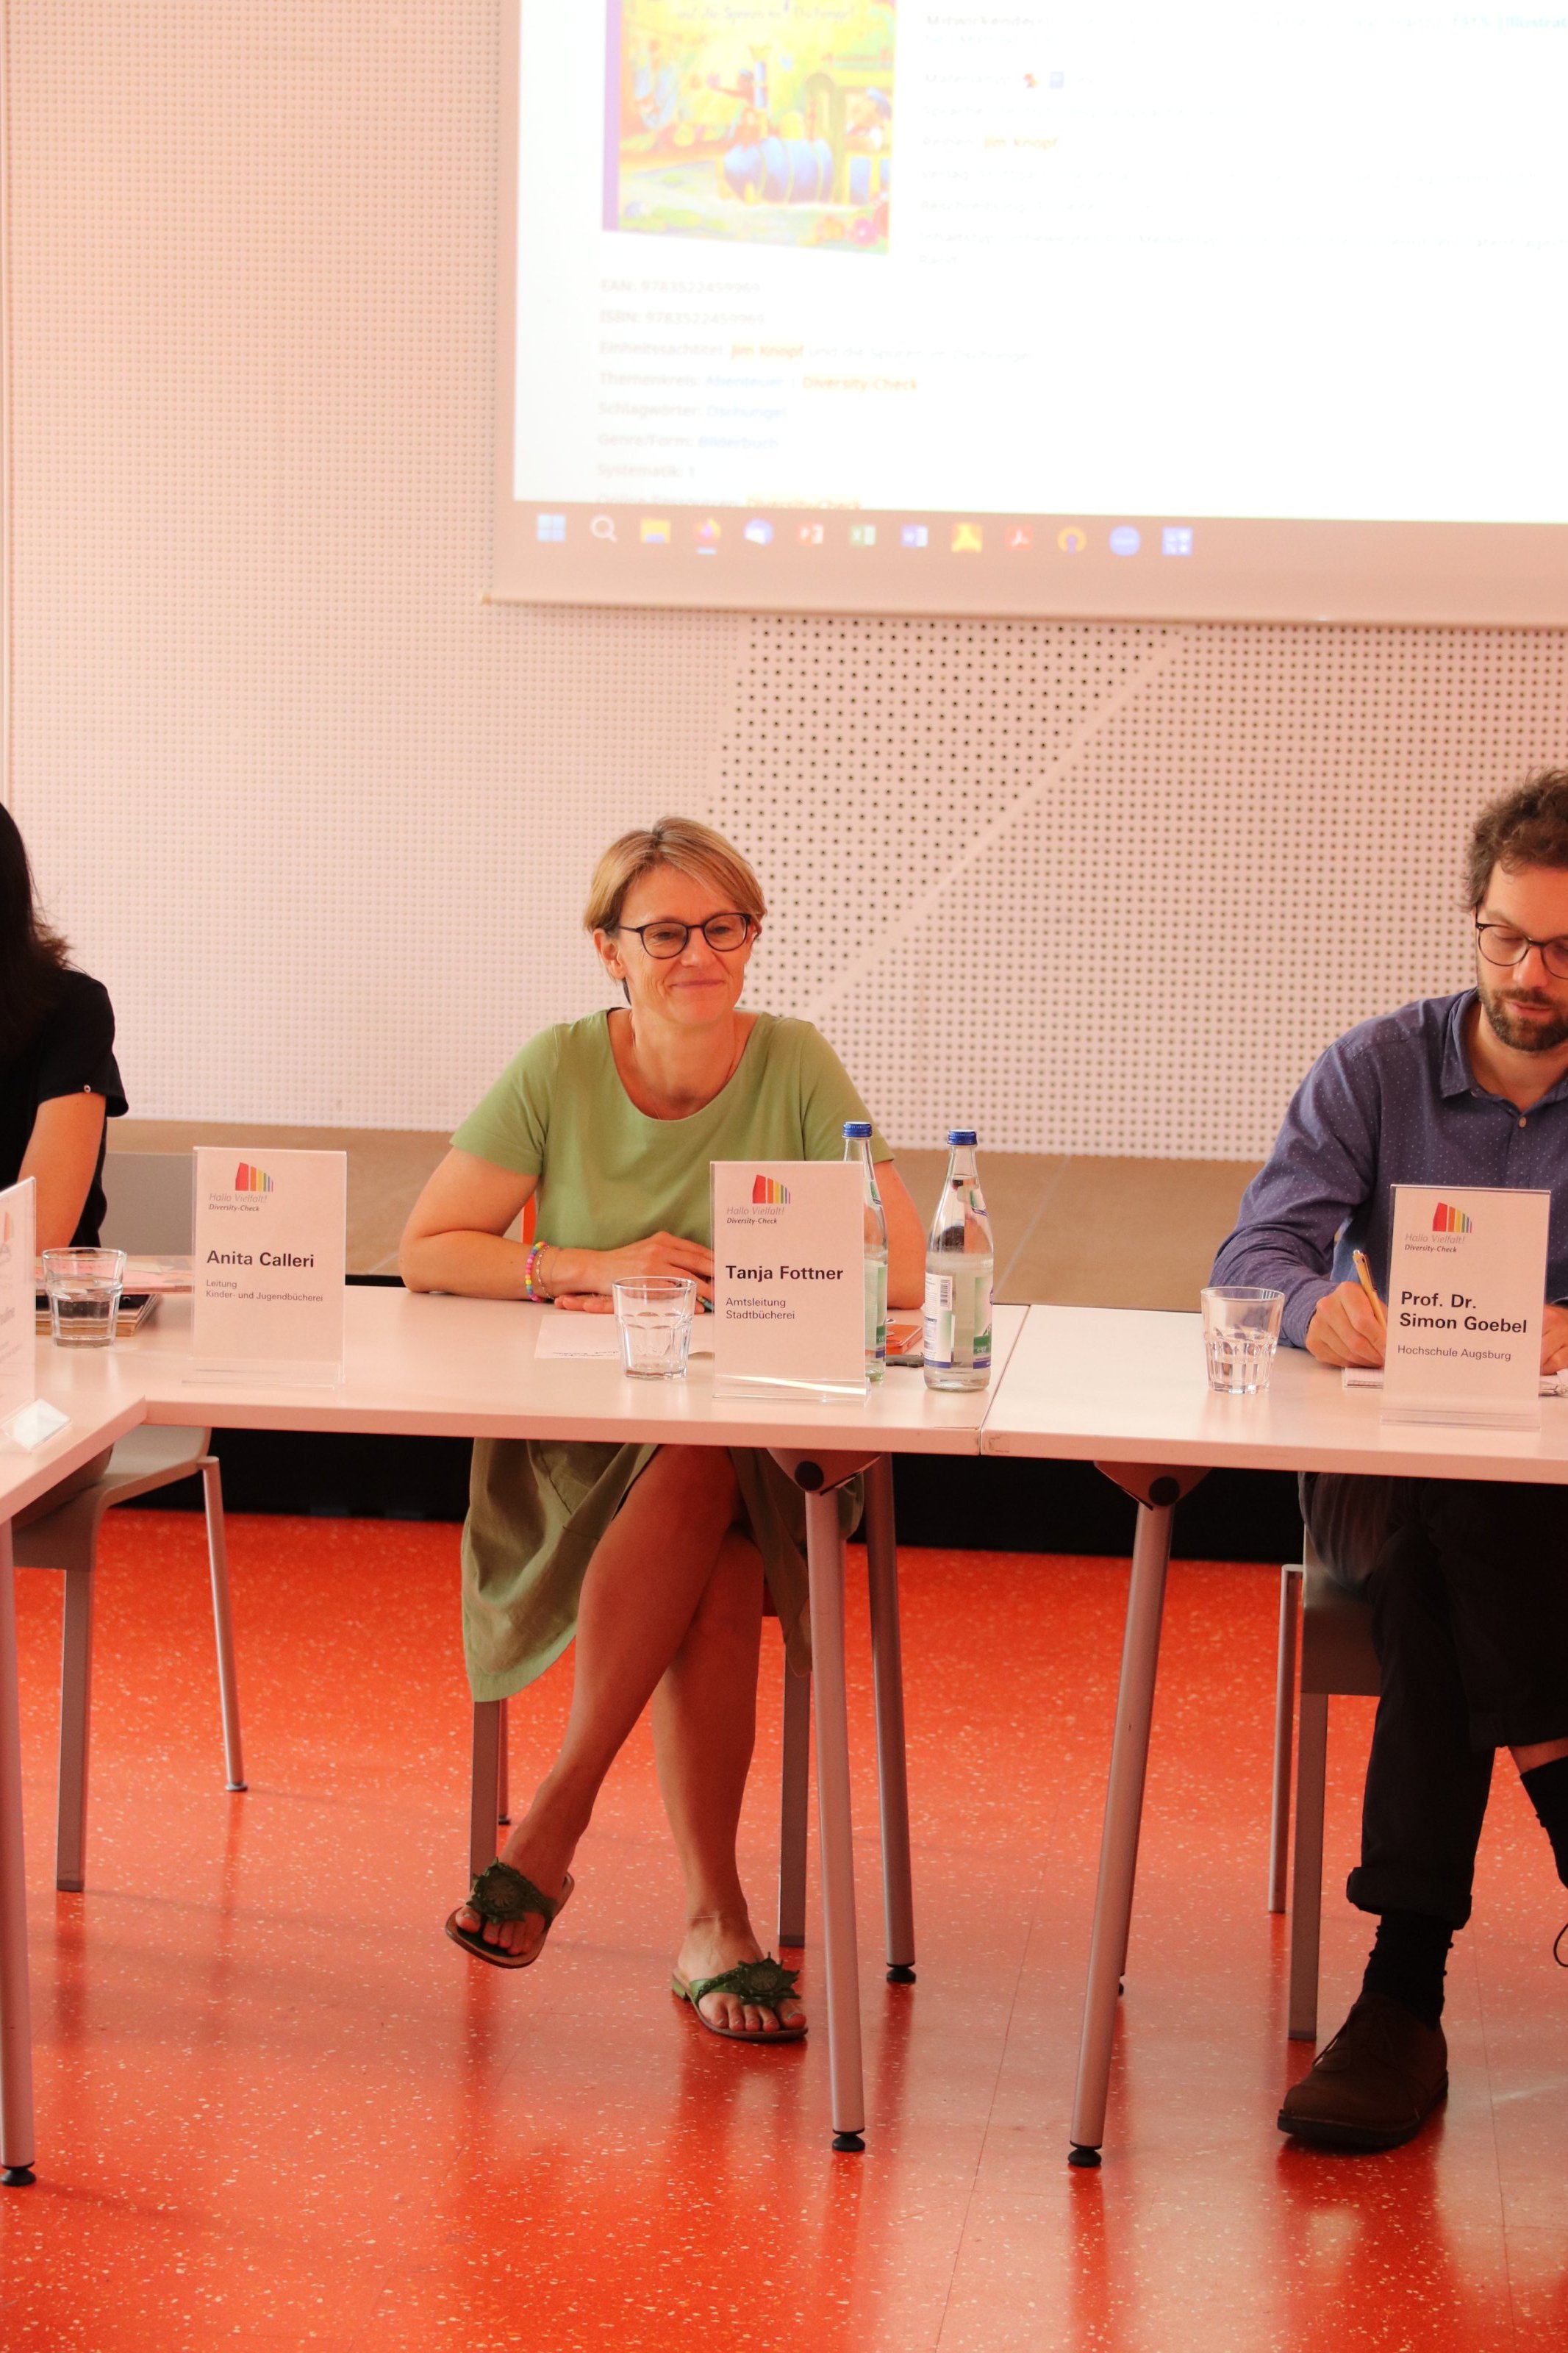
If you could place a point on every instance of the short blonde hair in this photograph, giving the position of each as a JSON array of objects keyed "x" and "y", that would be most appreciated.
[{"x": 693, "y": 849}]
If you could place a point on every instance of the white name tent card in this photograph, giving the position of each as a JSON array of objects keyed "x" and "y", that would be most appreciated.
[
  {"x": 269, "y": 1257},
  {"x": 789, "y": 1278},
  {"x": 1467, "y": 1283},
  {"x": 27, "y": 1419},
  {"x": 18, "y": 1375}
]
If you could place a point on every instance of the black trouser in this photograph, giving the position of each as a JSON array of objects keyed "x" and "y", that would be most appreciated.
[{"x": 1467, "y": 1581}]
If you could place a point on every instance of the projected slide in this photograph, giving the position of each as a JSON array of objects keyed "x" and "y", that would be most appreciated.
[{"x": 1028, "y": 308}]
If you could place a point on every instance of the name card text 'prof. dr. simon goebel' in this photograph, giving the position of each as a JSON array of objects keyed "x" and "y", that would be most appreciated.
[
  {"x": 268, "y": 1251},
  {"x": 1467, "y": 1280},
  {"x": 789, "y": 1277}
]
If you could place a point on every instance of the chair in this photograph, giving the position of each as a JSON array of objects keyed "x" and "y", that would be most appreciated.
[
  {"x": 149, "y": 1197},
  {"x": 489, "y": 1796},
  {"x": 1337, "y": 1660}
]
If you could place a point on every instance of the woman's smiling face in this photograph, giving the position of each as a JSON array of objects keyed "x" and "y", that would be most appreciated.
[{"x": 703, "y": 984}]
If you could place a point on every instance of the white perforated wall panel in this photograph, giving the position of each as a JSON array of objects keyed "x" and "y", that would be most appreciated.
[
  {"x": 1110, "y": 889},
  {"x": 323, "y": 822}
]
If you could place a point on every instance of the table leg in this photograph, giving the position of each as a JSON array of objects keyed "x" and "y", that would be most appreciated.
[
  {"x": 824, "y": 1555},
  {"x": 16, "y": 2142},
  {"x": 892, "y": 1764},
  {"x": 1123, "y": 1814}
]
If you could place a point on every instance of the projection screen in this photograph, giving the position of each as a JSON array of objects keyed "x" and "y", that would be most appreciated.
[{"x": 1225, "y": 312}]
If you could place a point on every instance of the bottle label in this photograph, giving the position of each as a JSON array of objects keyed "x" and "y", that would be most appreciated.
[
  {"x": 939, "y": 1319},
  {"x": 982, "y": 1325},
  {"x": 876, "y": 1310}
]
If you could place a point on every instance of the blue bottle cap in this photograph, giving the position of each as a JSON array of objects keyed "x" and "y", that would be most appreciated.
[
  {"x": 857, "y": 1127},
  {"x": 962, "y": 1135}
]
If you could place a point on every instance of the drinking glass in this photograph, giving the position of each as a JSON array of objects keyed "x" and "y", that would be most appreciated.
[
  {"x": 83, "y": 1287},
  {"x": 1241, "y": 1332},
  {"x": 654, "y": 1318}
]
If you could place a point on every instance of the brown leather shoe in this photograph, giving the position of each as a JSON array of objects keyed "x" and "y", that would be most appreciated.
[{"x": 1375, "y": 2085}]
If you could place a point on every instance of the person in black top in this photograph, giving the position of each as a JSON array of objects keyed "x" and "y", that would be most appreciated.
[{"x": 58, "y": 1078}]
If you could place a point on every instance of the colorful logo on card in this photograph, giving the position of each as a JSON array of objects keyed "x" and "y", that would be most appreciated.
[
  {"x": 768, "y": 1193},
  {"x": 1447, "y": 1220},
  {"x": 247, "y": 1180}
]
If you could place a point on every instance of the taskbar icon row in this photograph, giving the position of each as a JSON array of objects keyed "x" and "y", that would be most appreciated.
[{"x": 705, "y": 534}]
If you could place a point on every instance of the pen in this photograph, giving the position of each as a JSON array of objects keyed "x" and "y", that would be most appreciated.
[{"x": 1364, "y": 1276}]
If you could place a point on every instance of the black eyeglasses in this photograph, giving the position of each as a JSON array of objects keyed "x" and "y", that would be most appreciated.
[
  {"x": 1500, "y": 943},
  {"x": 667, "y": 938}
]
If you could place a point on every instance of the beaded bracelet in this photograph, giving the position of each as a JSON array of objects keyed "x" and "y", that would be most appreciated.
[{"x": 531, "y": 1289}]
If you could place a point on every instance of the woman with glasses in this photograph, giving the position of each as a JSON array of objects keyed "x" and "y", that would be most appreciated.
[{"x": 654, "y": 1558}]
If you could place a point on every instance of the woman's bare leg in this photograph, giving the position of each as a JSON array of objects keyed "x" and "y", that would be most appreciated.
[
  {"x": 644, "y": 1585},
  {"x": 704, "y": 1728}
]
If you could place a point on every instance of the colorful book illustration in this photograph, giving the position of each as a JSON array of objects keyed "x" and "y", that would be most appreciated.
[
  {"x": 1447, "y": 1220},
  {"x": 774, "y": 126},
  {"x": 247, "y": 1180},
  {"x": 770, "y": 1194}
]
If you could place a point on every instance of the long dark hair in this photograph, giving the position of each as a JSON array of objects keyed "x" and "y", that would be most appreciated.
[{"x": 32, "y": 957}]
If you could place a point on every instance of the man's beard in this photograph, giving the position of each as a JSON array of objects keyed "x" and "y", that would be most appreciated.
[{"x": 1523, "y": 1037}]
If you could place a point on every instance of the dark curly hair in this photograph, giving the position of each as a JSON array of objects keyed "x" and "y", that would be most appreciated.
[
  {"x": 1528, "y": 827},
  {"x": 32, "y": 957}
]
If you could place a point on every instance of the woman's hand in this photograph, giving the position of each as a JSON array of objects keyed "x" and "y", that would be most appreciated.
[
  {"x": 1344, "y": 1330},
  {"x": 585, "y": 1279}
]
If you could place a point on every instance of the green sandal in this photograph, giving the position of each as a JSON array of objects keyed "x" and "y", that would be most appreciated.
[
  {"x": 499, "y": 1892},
  {"x": 761, "y": 1983}
]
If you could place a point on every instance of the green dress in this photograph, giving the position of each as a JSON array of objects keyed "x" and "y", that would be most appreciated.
[{"x": 608, "y": 1175}]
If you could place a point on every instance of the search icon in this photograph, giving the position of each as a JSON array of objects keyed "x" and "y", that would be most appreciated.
[{"x": 602, "y": 527}]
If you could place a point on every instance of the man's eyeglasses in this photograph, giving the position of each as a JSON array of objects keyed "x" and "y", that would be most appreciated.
[
  {"x": 667, "y": 938},
  {"x": 1500, "y": 943}
]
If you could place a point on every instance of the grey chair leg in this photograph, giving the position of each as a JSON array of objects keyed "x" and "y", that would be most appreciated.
[
  {"x": 76, "y": 1709},
  {"x": 503, "y": 1765},
  {"x": 222, "y": 1621},
  {"x": 892, "y": 1764},
  {"x": 794, "y": 1800},
  {"x": 484, "y": 1785},
  {"x": 1307, "y": 1886},
  {"x": 1284, "y": 1710}
]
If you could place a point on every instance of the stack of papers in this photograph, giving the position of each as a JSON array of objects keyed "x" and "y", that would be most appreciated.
[
  {"x": 1364, "y": 1376},
  {"x": 162, "y": 1275}
]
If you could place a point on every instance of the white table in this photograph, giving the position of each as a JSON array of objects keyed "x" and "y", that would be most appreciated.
[
  {"x": 1127, "y": 1390},
  {"x": 436, "y": 1367},
  {"x": 98, "y": 1420}
]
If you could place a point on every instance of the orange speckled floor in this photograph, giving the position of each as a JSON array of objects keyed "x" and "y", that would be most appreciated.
[{"x": 276, "y": 2108}]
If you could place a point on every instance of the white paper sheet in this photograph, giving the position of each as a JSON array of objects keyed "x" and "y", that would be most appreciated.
[{"x": 570, "y": 1333}]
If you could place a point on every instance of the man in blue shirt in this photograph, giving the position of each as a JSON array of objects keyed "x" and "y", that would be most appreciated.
[{"x": 1468, "y": 1579}]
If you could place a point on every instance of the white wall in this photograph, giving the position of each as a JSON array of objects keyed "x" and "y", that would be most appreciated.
[{"x": 323, "y": 822}]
